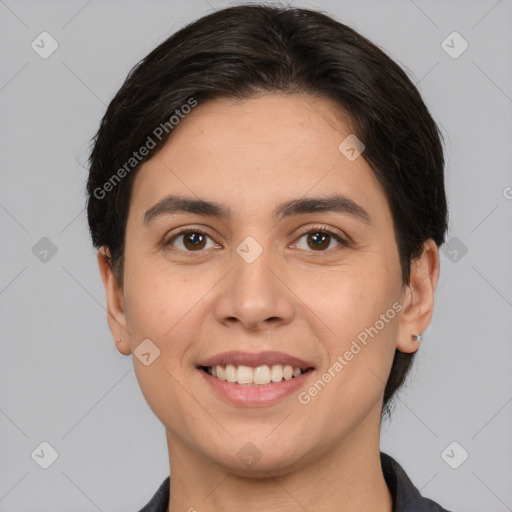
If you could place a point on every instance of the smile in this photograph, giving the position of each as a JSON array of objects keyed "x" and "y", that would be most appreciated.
[{"x": 260, "y": 375}]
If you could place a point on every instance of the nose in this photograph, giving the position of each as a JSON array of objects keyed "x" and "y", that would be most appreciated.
[{"x": 254, "y": 296}]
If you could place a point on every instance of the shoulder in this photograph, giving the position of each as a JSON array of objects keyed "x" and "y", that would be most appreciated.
[
  {"x": 406, "y": 497},
  {"x": 160, "y": 499}
]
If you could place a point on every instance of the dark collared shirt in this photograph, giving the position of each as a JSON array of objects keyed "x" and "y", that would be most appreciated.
[{"x": 406, "y": 498}]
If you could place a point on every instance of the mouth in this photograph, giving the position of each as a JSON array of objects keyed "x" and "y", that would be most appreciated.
[
  {"x": 259, "y": 376},
  {"x": 258, "y": 369},
  {"x": 249, "y": 379}
]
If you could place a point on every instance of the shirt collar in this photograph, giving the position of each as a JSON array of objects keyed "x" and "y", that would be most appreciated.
[{"x": 406, "y": 497}]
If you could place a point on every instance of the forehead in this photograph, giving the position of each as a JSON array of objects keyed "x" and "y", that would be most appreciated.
[{"x": 258, "y": 152}]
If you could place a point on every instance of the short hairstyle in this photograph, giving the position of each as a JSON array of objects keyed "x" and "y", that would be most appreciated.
[{"x": 241, "y": 51}]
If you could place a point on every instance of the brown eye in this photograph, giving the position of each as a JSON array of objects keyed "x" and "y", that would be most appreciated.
[
  {"x": 320, "y": 240},
  {"x": 192, "y": 240}
]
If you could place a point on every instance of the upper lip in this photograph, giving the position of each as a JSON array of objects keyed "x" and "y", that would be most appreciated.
[{"x": 255, "y": 359}]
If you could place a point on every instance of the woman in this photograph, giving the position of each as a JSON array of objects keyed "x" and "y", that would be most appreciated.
[{"x": 267, "y": 196}]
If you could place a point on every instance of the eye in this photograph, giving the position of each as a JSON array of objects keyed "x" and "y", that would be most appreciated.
[
  {"x": 320, "y": 238},
  {"x": 193, "y": 240}
]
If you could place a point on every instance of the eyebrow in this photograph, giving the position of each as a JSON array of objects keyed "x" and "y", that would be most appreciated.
[{"x": 337, "y": 203}]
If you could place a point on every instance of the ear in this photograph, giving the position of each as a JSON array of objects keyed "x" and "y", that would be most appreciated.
[
  {"x": 115, "y": 302},
  {"x": 418, "y": 298}
]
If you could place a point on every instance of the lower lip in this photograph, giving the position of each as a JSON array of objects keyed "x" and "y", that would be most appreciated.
[{"x": 253, "y": 395}]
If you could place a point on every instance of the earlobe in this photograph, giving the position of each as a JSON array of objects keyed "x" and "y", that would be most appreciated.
[
  {"x": 419, "y": 298},
  {"x": 116, "y": 317}
]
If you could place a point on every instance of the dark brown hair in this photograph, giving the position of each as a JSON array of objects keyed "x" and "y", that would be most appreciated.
[{"x": 241, "y": 51}]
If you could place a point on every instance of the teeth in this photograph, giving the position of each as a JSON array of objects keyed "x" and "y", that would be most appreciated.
[
  {"x": 260, "y": 375},
  {"x": 276, "y": 374},
  {"x": 231, "y": 373},
  {"x": 244, "y": 375},
  {"x": 287, "y": 372}
]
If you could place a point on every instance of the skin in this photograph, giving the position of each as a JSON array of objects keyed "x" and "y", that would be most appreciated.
[{"x": 312, "y": 303}]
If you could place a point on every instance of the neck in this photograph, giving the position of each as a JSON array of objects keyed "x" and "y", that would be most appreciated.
[{"x": 344, "y": 478}]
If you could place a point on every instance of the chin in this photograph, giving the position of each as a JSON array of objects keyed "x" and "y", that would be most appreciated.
[{"x": 260, "y": 460}]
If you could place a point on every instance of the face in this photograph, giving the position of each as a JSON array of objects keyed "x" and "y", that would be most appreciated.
[{"x": 318, "y": 281}]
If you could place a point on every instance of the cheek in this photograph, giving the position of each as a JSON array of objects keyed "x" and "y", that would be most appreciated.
[
  {"x": 156, "y": 309},
  {"x": 352, "y": 296},
  {"x": 167, "y": 306},
  {"x": 360, "y": 304},
  {"x": 157, "y": 298}
]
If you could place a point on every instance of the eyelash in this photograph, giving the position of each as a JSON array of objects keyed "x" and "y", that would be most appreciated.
[{"x": 317, "y": 229}]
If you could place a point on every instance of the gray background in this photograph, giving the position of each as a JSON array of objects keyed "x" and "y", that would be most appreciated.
[{"x": 61, "y": 378}]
